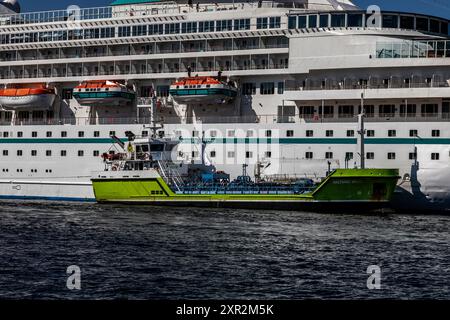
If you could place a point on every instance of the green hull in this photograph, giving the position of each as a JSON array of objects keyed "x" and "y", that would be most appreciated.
[{"x": 344, "y": 188}]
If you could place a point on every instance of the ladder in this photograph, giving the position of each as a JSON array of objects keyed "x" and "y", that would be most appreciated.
[{"x": 170, "y": 175}]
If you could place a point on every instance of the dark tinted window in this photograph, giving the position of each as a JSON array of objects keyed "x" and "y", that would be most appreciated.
[
  {"x": 354, "y": 20},
  {"x": 390, "y": 21},
  {"x": 338, "y": 20},
  {"x": 302, "y": 22},
  {"x": 312, "y": 21},
  {"x": 435, "y": 26},
  {"x": 323, "y": 21},
  {"x": 406, "y": 22},
  {"x": 422, "y": 24}
]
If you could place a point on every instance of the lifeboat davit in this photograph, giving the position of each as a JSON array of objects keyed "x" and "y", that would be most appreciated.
[
  {"x": 202, "y": 89},
  {"x": 103, "y": 92},
  {"x": 27, "y": 96}
]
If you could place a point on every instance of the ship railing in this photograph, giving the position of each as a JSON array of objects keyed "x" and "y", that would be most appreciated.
[
  {"x": 101, "y": 13},
  {"x": 259, "y": 119},
  {"x": 354, "y": 84}
]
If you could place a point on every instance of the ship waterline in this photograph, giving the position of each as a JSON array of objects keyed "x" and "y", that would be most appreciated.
[{"x": 291, "y": 80}]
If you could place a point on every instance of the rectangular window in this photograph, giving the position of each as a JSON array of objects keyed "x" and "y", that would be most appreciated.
[
  {"x": 231, "y": 133},
  {"x": 268, "y": 133},
  {"x": 155, "y": 29},
  {"x": 248, "y": 89},
  {"x": 19, "y": 153},
  {"x": 80, "y": 153},
  {"x": 302, "y": 22},
  {"x": 96, "y": 153},
  {"x": 370, "y": 133},
  {"x": 312, "y": 21},
  {"x": 63, "y": 153},
  {"x": 213, "y": 133},
  {"x": 337, "y": 20},
  {"x": 33, "y": 153},
  {"x": 274, "y": 22},
  {"x": 289, "y": 133},
  {"x": 19, "y": 134},
  {"x": 242, "y": 24},
  {"x": 80, "y": 134},
  {"x": 268, "y": 154},
  {"x": 5, "y": 152},
  {"x": 190, "y": 27},
  {"x": 261, "y": 23},
  {"x": 309, "y": 155},
  {"x": 48, "y": 134},
  {"x": 328, "y": 155},
  {"x": 329, "y": 133},
  {"x": 206, "y": 26},
  {"x": 63, "y": 134},
  {"x": 350, "y": 133},
  {"x": 387, "y": 110},
  {"x": 391, "y": 155},
  {"x": 249, "y": 154},
  {"x": 370, "y": 155},
  {"x": 96, "y": 134},
  {"x": 429, "y": 110},
  {"x": 323, "y": 21},
  {"x": 292, "y": 22},
  {"x": 435, "y": 133},
  {"x": 34, "y": 134},
  {"x": 412, "y": 156},
  {"x": 354, "y": 20},
  {"x": 172, "y": 28},
  {"x": 249, "y": 133},
  {"x": 346, "y": 111},
  {"x": 392, "y": 133},
  {"x": 309, "y": 133},
  {"x": 230, "y": 154},
  {"x": 280, "y": 89},
  {"x": 413, "y": 133},
  {"x": 124, "y": 31},
  {"x": 224, "y": 25},
  {"x": 267, "y": 88},
  {"x": 348, "y": 156},
  {"x": 48, "y": 153},
  {"x": 435, "y": 156},
  {"x": 212, "y": 154},
  {"x": 408, "y": 110}
]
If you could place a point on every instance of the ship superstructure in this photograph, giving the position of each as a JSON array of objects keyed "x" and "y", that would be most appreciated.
[{"x": 287, "y": 80}]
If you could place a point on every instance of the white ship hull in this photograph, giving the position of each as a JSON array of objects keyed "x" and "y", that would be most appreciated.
[{"x": 423, "y": 185}]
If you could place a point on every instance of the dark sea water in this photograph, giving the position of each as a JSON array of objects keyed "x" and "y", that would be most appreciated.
[{"x": 186, "y": 253}]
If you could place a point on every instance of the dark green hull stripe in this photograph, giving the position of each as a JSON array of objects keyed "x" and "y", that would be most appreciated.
[{"x": 373, "y": 141}]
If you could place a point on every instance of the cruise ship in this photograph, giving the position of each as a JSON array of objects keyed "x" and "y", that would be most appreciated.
[{"x": 276, "y": 85}]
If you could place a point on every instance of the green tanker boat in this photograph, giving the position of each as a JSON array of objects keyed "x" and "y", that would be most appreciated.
[{"x": 146, "y": 175}]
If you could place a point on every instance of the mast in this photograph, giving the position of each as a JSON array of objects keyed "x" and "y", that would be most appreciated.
[{"x": 361, "y": 133}]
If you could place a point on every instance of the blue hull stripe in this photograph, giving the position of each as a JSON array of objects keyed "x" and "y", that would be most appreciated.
[{"x": 4, "y": 197}]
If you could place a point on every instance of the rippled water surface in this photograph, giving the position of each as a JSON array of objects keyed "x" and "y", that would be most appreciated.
[{"x": 151, "y": 252}]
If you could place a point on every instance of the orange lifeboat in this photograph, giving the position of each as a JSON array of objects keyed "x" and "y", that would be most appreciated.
[
  {"x": 103, "y": 92},
  {"x": 27, "y": 96}
]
